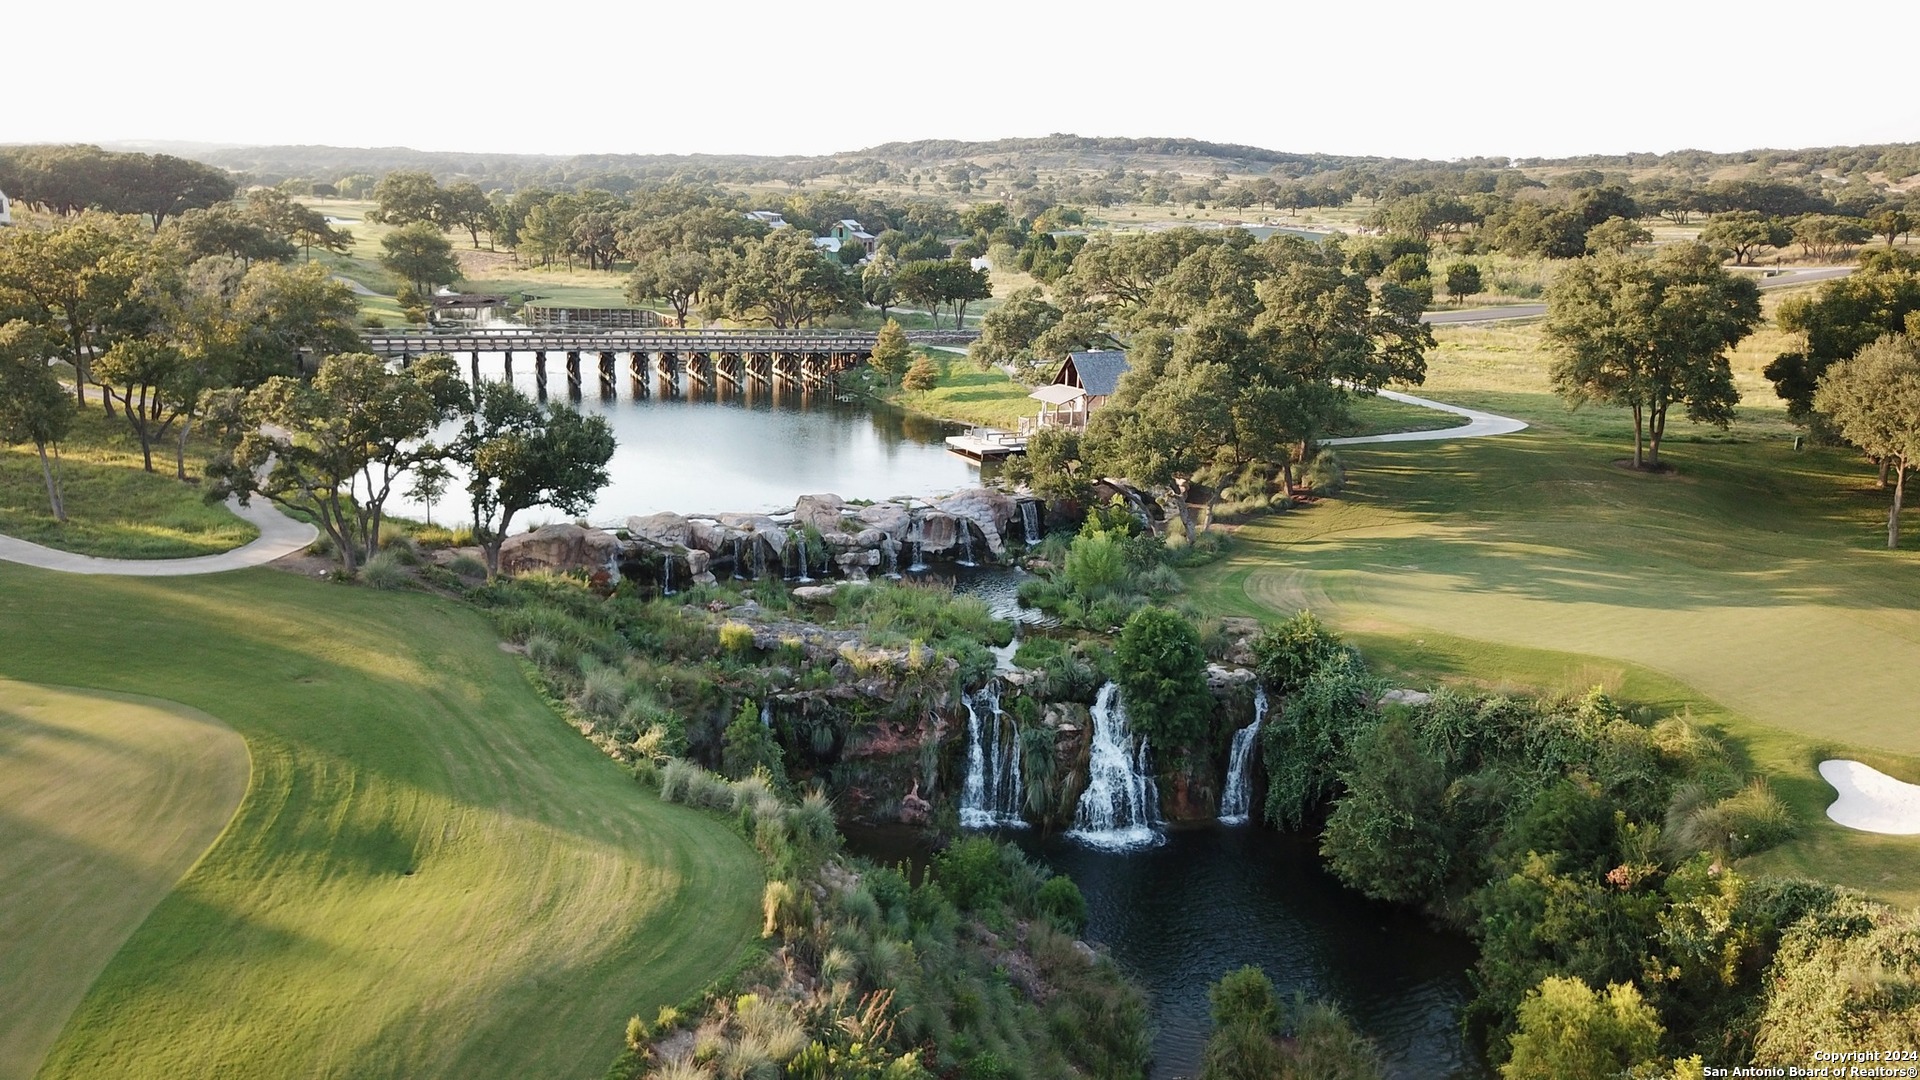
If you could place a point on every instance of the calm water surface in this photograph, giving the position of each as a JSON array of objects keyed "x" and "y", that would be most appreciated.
[
  {"x": 715, "y": 452},
  {"x": 1212, "y": 899}
]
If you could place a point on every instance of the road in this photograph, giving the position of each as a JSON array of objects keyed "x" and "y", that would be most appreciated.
[{"x": 1784, "y": 279}]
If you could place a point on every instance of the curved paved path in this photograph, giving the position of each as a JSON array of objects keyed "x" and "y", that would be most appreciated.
[
  {"x": 279, "y": 535},
  {"x": 1478, "y": 424}
]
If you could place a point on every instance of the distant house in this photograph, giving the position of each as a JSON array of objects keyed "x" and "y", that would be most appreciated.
[
  {"x": 770, "y": 218},
  {"x": 1083, "y": 383},
  {"x": 848, "y": 231}
]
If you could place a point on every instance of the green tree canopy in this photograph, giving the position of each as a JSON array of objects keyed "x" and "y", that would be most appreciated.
[
  {"x": 420, "y": 254},
  {"x": 1844, "y": 317},
  {"x": 334, "y": 446},
  {"x": 1647, "y": 334},
  {"x": 1569, "y": 1032},
  {"x": 519, "y": 454},
  {"x": 33, "y": 406},
  {"x": 1873, "y": 401}
]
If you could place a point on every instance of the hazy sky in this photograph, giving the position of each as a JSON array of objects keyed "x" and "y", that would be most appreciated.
[{"x": 1416, "y": 80}]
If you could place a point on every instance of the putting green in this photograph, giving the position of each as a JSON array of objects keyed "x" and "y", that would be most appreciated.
[
  {"x": 431, "y": 874},
  {"x": 106, "y": 802}
]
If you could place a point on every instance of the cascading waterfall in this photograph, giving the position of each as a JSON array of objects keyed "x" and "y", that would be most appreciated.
[
  {"x": 666, "y": 576},
  {"x": 890, "y": 551},
  {"x": 966, "y": 543},
  {"x": 993, "y": 793},
  {"x": 766, "y": 712},
  {"x": 798, "y": 542},
  {"x": 1234, "y": 800},
  {"x": 919, "y": 549},
  {"x": 1030, "y": 517},
  {"x": 1121, "y": 807},
  {"x": 739, "y": 558}
]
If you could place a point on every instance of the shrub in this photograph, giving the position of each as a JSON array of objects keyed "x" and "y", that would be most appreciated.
[
  {"x": 969, "y": 872},
  {"x": 1569, "y": 1032},
  {"x": 1062, "y": 904},
  {"x": 1163, "y": 676},
  {"x": 736, "y": 638},
  {"x": 748, "y": 745},
  {"x": 467, "y": 566},
  {"x": 1288, "y": 654},
  {"x": 924, "y": 374},
  {"x": 1096, "y": 564},
  {"x": 386, "y": 571},
  {"x": 1324, "y": 474},
  {"x": 603, "y": 692}
]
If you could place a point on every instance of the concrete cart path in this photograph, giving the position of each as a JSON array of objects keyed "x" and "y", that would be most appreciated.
[
  {"x": 280, "y": 535},
  {"x": 1479, "y": 424}
]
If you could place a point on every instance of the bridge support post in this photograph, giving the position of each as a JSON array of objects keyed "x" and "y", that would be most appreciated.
[
  {"x": 540, "y": 374},
  {"x": 506, "y": 360},
  {"x": 474, "y": 367},
  {"x": 606, "y": 376},
  {"x": 573, "y": 374},
  {"x": 637, "y": 374}
]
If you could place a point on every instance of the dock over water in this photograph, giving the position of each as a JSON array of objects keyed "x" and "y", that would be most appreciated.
[{"x": 987, "y": 444}]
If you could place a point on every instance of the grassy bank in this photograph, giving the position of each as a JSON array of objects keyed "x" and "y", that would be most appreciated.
[
  {"x": 430, "y": 874},
  {"x": 115, "y": 509}
]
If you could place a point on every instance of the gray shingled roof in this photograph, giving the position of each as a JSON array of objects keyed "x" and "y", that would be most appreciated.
[{"x": 1100, "y": 370}]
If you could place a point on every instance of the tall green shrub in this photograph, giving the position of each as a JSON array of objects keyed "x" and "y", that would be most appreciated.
[{"x": 1163, "y": 678}]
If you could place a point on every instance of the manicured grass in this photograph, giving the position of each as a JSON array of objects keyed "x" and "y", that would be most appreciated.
[
  {"x": 1381, "y": 416},
  {"x": 430, "y": 875},
  {"x": 970, "y": 395},
  {"x": 114, "y": 508},
  {"x": 109, "y": 801},
  {"x": 1750, "y": 587}
]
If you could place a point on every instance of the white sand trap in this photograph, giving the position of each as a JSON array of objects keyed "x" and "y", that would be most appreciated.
[{"x": 1870, "y": 800}]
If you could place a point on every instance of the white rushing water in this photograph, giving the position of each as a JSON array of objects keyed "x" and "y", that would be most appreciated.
[
  {"x": 1121, "y": 807},
  {"x": 993, "y": 794},
  {"x": 1239, "y": 792},
  {"x": 1030, "y": 518}
]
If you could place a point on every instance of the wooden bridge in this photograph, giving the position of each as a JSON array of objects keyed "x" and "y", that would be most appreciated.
[{"x": 702, "y": 358}]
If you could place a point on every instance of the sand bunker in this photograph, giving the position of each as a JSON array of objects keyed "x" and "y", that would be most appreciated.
[{"x": 1870, "y": 800}]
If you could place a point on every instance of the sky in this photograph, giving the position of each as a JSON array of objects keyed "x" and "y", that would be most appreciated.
[{"x": 1536, "y": 79}]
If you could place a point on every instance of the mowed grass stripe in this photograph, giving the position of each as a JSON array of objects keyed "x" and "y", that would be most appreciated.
[
  {"x": 105, "y": 801},
  {"x": 432, "y": 875}
]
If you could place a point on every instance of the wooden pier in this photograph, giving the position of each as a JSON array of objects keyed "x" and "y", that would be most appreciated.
[{"x": 987, "y": 444}]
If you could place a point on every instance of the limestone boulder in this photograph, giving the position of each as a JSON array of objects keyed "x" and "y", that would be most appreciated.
[
  {"x": 559, "y": 548},
  {"x": 937, "y": 531},
  {"x": 665, "y": 529},
  {"x": 890, "y": 518},
  {"x": 823, "y": 512},
  {"x": 992, "y": 512},
  {"x": 710, "y": 536},
  {"x": 698, "y": 563},
  {"x": 1222, "y": 679},
  {"x": 814, "y": 594},
  {"x": 871, "y": 539}
]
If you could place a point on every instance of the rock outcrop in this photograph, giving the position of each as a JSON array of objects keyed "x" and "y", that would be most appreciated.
[{"x": 559, "y": 548}]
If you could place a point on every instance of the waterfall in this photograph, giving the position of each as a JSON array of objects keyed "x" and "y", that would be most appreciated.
[
  {"x": 993, "y": 793},
  {"x": 666, "y": 576},
  {"x": 766, "y": 712},
  {"x": 1030, "y": 517},
  {"x": 1121, "y": 805},
  {"x": 890, "y": 551},
  {"x": 1233, "y": 801},
  {"x": 966, "y": 542},
  {"x": 919, "y": 549},
  {"x": 739, "y": 558},
  {"x": 800, "y": 542}
]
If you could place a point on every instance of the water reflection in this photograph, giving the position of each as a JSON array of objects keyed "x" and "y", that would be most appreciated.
[
  {"x": 713, "y": 450},
  {"x": 1211, "y": 899}
]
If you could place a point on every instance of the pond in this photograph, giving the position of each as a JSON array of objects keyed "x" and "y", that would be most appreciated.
[
  {"x": 1212, "y": 899},
  {"x": 714, "y": 451}
]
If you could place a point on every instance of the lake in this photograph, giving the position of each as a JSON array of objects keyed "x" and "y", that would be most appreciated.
[{"x": 714, "y": 451}]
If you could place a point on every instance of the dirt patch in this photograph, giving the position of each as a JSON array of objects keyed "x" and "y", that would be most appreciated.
[
  {"x": 484, "y": 264},
  {"x": 1662, "y": 469}
]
